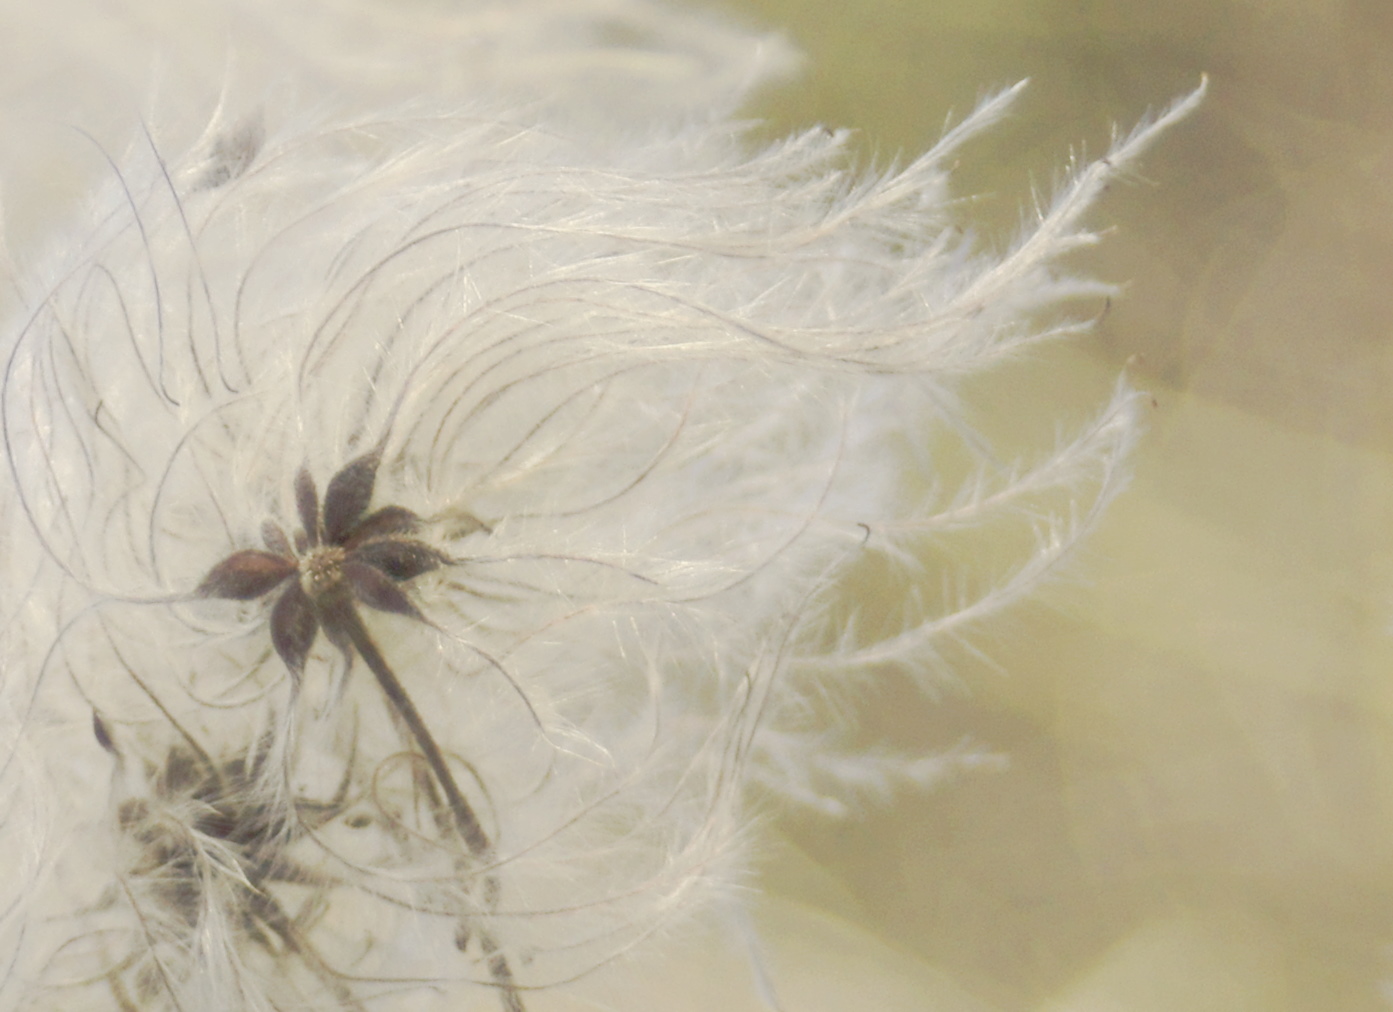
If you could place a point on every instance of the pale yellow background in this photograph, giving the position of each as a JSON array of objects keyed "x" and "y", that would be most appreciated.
[{"x": 1198, "y": 813}]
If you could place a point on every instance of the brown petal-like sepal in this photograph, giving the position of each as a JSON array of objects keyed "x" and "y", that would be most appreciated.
[
  {"x": 293, "y": 628},
  {"x": 401, "y": 560},
  {"x": 348, "y": 495},
  {"x": 377, "y": 590},
  {"x": 307, "y": 505},
  {"x": 274, "y": 537},
  {"x": 337, "y": 616},
  {"x": 245, "y": 575},
  {"x": 103, "y": 736},
  {"x": 383, "y": 523}
]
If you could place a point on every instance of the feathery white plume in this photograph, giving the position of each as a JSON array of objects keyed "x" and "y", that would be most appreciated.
[{"x": 422, "y": 530}]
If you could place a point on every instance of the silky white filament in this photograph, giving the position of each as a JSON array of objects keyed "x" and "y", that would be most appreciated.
[{"x": 641, "y": 406}]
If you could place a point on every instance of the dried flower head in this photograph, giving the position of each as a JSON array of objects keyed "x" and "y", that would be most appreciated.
[{"x": 608, "y": 424}]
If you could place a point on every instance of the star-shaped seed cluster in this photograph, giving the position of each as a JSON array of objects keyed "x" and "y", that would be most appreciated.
[{"x": 343, "y": 554}]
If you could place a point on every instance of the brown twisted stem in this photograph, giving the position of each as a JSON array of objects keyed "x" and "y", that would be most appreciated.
[
  {"x": 340, "y": 618},
  {"x": 344, "y": 619}
]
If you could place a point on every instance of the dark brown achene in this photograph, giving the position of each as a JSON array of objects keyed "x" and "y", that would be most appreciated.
[{"x": 341, "y": 554}]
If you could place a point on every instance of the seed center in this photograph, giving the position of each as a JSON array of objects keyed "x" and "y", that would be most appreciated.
[{"x": 321, "y": 570}]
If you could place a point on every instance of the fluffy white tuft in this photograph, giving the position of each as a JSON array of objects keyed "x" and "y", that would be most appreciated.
[{"x": 649, "y": 400}]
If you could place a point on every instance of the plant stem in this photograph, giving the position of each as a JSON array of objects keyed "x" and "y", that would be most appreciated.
[
  {"x": 346, "y": 618},
  {"x": 466, "y": 822}
]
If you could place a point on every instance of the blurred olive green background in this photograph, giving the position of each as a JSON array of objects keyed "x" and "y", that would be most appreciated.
[{"x": 1198, "y": 809}]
